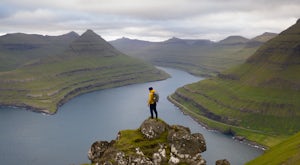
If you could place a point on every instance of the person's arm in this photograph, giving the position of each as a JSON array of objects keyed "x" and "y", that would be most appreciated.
[{"x": 150, "y": 98}]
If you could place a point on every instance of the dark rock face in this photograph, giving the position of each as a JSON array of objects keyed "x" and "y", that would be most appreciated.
[
  {"x": 222, "y": 162},
  {"x": 97, "y": 150},
  {"x": 180, "y": 146}
]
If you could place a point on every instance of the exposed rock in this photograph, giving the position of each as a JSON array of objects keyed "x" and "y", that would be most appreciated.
[
  {"x": 239, "y": 138},
  {"x": 184, "y": 144},
  {"x": 97, "y": 150},
  {"x": 176, "y": 145},
  {"x": 153, "y": 128},
  {"x": 222, "y": 162}
]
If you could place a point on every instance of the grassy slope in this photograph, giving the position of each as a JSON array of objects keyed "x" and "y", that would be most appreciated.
[
  {"x": 259, "y": 99},
  {"x": 287, "y": 152},
  {"x": 46, "y": 86},
  {"x": 88, "y": 64},
  {"x": 208, "y": 62}
]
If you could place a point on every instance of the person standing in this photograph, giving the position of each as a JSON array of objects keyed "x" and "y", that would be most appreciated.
[{"x": 152, "y": 102}]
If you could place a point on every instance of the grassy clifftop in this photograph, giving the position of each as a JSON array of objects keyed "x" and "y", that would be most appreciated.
[
  {"x": 287, "y": 152},
  {"x": 88, "y": 64},
  {"x": 258, "y": 99}
]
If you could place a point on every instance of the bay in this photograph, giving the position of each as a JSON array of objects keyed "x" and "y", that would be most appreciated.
[{"x": 64, "y": 138}]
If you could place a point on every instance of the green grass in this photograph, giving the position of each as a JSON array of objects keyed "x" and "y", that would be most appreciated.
[
  {"x": 256, "y": 110},
  {"x": 48, "y": 85},
  {"x": 257, "y": 99},
  {"x": 287, "y": 152},
  {"x": 258, "y": 136},
  {"x": 132, "y": 139}
]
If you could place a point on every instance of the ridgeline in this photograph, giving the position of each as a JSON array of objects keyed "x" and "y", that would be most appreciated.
[
  {"x": 43, "y": 72},
  {"x": 200, "y": 57},
  {"x": 258, "y": 100}
]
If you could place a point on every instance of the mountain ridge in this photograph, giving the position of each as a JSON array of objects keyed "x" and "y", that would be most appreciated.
[
  {"x": 257, "y": 99},
  {"x": 47, "y": 81},
  {"x": 92, "y": 43},
  {"x": 200, "y": 57}
]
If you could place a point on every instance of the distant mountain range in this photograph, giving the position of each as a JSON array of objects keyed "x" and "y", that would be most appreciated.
[
  {"x": 197, "y": 56},
  {"x": 258, "y": 99},
  {"x": 43, "y": 72}
]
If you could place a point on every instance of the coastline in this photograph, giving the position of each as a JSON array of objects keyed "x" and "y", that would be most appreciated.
[
  {"x": 28, "y": 108},
  {"x": 241, "y": 139},
  {"x": 72, "y": 94}
]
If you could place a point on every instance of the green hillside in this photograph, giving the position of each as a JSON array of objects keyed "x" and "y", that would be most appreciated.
[
  {"x": 287, "y": 152},
  {"x": 87, "y": 64},
  {"x": 258, "y": 99},
  {"x": 199, "y": 57},
  {"x": 18, "y": 49}
]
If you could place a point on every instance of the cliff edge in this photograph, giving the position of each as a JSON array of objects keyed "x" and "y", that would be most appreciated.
[{"x": 154, "y": 142}]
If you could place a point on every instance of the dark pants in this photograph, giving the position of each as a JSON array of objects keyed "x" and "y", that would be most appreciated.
[{"x": 153, "y": 108}]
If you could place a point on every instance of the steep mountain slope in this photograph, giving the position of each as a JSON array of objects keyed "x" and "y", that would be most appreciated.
[
  {"x": 264, "y": 37},
  {"x": 258, "y": 99},
  {"x": 18, "y": 49},
  {"x": 88, "y": 63},
  {"x": 199, "y": 57}
]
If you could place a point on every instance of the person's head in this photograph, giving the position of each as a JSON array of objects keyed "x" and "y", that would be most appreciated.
[{"x": 150, "y": 88}]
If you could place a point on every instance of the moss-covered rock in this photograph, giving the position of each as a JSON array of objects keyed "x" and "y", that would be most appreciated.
[{"x": 155, "y": 142}]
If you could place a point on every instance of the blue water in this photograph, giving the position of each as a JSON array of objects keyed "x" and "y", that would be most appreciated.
[{"x": 64, "y": 138}]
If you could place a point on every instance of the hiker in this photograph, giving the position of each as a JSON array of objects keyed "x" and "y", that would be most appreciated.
[{"x": 152, "y": 102}]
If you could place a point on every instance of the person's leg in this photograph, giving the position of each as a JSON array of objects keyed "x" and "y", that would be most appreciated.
[
  {"x": 154, "y": 109},
  {"x": 151, "y": 110}
]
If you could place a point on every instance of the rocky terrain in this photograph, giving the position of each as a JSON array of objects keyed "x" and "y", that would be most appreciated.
[{"x": 154, "y": 142}]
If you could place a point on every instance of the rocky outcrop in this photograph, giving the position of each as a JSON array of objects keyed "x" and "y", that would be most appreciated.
[
  {"x": 154, "y": 143},
  {"x": 222, "y": 162}
]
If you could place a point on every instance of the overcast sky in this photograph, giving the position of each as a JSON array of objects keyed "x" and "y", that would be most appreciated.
[{"x": 154, "y": 20}]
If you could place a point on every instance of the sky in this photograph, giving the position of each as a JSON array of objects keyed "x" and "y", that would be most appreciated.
[{"x": 152, "y": 20}]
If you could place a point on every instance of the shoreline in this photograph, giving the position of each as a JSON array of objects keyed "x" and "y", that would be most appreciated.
[
  {"x": 240, "y": 139},
  {"x": 28, "y": 108},
  {"x": 70, "y": 96}
]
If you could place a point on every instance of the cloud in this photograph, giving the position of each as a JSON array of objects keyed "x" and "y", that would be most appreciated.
[{"x": 152, "y": 19}]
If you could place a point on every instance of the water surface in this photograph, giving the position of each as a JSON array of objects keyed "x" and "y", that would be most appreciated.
[{"x": 64, "y": 138}]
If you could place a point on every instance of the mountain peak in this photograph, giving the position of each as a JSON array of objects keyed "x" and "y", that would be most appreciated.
[
  {"x": 91, "y": 35},
  {"x": 72, "y": 33},
  {"x": 89, "y": 32},
  {"x": 234, "y": 40},
  {"x": 175, "y": 40},
  {"x": 90, "y": 43},
  {"x": 282, "y": 50}
]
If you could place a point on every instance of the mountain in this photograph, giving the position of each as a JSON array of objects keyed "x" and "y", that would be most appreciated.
[
  {"x": 258, "y": 99},
  {"x": 234, "y": 40},
  {"x": 197, "y": 56},
  {"x": 88, "y": 63},
  {"x": 90, "y": 43},
  {"x": 264, "y": 37},
  {"x": 18, "y": 49}
]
